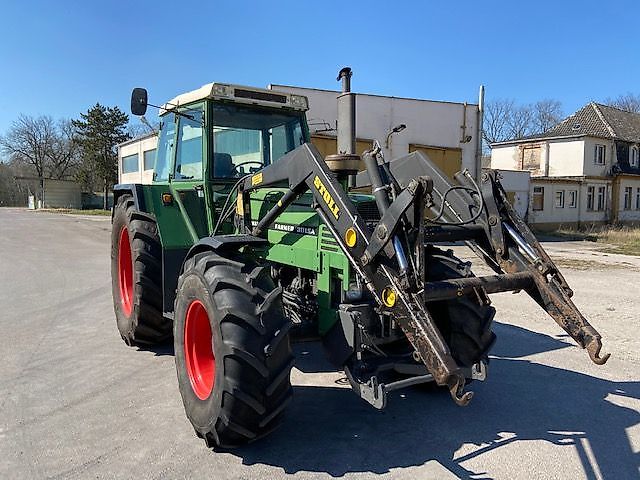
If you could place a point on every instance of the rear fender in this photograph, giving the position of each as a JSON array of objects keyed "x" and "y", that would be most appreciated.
[{"x": 133, "y": 189}]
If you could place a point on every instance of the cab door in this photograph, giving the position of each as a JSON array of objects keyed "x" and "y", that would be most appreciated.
[{"x": 187, "y": 181}]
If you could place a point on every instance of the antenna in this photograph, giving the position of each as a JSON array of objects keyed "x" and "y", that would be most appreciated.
[{"x": 144, "y": 121}]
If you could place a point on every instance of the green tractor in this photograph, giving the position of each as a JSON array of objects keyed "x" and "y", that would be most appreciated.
[{"x": 248, "y": 239}]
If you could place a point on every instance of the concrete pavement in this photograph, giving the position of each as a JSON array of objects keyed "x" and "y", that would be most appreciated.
[{"x": 75, "y": 402}]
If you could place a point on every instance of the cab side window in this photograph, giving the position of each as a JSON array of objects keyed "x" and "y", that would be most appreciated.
[
  {"x": 189, "y": 146},
  {"x": 165, "y": 148}
]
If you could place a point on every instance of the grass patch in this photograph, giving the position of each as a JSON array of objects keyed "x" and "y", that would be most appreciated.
[
  {"x": 590, "y": 265},
  {"x": 624, "y": 240},
  {"x": 611, "y": 239},
  {"x": 75, "y": 211},
  {"x": 569, "y": 235}
]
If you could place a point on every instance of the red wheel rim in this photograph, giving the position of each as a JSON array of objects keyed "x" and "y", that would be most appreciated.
[
  {"x": 125, "y": 272},
  {"x": 198, "y": 350}
]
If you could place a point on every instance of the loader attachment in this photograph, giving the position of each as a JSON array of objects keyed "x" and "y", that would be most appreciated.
[{"x": 390, "y": 259}]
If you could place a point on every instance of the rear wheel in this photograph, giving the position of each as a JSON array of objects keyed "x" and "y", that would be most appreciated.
[
  {"x": 136, "y": 276},
  {"x": 232, "y": 350}
]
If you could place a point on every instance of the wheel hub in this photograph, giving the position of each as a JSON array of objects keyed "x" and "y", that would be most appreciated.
[
  {"x": 125, "y": 272},
  {"x": 198, "y": 350}
]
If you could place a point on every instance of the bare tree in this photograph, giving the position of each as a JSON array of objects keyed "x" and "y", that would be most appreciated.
[
  {"x": 139, "y": 129},
  {"x": 65, "y": 152},
  {"x": 496, "y": 120},
  {"x": 547, "y": 113},
  {"x": 29, "y": 140},
  {"x": 10, "y": 192},
  {"x": 520, "y": 121},
  {"x": 47, "y": 147},
  {"x": 506, "y": 120},
  {"x": 628, "y": 102}
]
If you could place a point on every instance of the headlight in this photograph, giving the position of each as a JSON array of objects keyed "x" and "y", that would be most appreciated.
[
  {"x": 221, "y": 90},
  {"x": 354, "y": 292},
  {"x": 299, "y": 101}
]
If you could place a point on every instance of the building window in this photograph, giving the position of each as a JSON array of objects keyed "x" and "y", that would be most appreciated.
[
  {"x": 559, "y": 199},
  {"x": 601, "y": 198},
  {"x": 573, "y": 198},
  {"x": 149, "y": 159},
  {"x": 638, "y": 198},
  {"x": 130, "y": 163},
  {"x": 538, "y": 198},
  {"x": 633, "y": 156},
  {"x": 531, "y": 158},
  {"x": 591, "y": 193},
  {"x": 600, "y": 154},
  {"x": 628, "y": 192}
]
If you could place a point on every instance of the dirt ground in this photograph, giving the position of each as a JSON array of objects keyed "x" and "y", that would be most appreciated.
[{"x": 75, "y": 402}]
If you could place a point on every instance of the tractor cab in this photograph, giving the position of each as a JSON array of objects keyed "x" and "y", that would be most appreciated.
[
  {"x": 223, "y": 132},
  {"x": 210, "y": 138}
]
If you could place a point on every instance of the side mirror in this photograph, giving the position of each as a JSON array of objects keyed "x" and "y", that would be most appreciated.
[{"x": 139, "y": 101}]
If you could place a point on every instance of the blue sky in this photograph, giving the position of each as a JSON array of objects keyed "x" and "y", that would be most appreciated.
[{"x": 59, "y": 58}]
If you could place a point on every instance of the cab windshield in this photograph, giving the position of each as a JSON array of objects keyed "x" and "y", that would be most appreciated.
[{"x": 245, "y": 139}]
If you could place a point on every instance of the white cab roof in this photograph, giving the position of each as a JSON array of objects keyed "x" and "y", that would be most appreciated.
[{"x": 240, "y": 94}]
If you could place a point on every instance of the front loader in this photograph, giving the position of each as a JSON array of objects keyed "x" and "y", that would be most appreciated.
[{"x": 248, "y": 239}]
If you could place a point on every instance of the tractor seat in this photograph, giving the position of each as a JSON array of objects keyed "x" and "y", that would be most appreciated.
[{"x": 223, "y": 166}]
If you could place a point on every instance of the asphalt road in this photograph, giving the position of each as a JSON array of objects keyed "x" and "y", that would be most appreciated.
[{"x": 75, "y": 402}]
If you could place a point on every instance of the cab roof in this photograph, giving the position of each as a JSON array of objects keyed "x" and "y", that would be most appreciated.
[{"x": 239, "y": 94}]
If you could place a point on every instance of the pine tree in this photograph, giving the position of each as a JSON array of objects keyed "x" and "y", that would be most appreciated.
[{"x": 98, "y": 132}]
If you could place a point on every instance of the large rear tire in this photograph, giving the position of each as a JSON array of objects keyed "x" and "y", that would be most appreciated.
[
  {"x": 465, "y": 322},
  {"x": 232, "y": 350},
  {"x": 136, "y": 276}
]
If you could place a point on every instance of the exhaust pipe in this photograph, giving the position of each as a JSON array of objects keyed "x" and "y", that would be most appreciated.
[
  {"x": 346, "y": 162},
  {"x": 346, "y": 114}
]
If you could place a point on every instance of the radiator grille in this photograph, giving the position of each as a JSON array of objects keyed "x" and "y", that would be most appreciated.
[{"x": 368, "y": 211}]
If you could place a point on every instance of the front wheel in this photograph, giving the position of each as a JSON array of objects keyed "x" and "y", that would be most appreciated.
[
  {"x": 464, "y": 322},
  {"x": 232, "y": 350}
]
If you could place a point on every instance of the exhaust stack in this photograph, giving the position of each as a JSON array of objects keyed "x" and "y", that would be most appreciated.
[
  {"x": 346, "y": 162},
  {"x": 346, "y": 114}
]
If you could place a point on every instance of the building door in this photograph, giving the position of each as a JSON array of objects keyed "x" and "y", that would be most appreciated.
[{"x": 449, "y": 160}]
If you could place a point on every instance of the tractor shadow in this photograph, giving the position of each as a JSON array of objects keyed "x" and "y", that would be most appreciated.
[
  {"x": 160, "y": 350},
  {"x": 330, "y": 430}
]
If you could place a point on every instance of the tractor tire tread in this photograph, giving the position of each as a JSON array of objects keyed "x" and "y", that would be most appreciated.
[
  {"x": 465, "y": 322},
  {"x": 238, "y": 288},
  {"x": 146, "y": 325}
]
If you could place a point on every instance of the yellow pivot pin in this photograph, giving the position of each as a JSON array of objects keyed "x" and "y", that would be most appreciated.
[
  {"x": 389, "y": 297},
  {"x": 350, "y": 237}
]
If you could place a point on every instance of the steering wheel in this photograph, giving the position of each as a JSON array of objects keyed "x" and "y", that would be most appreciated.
[{"x": 236, "y": 171}]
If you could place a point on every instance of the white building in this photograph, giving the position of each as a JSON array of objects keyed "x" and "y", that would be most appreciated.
[
  {"x": 445, "y": 131},
  {"x": 136, "y": 159},
  {"x": 584, "y": 171}
]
